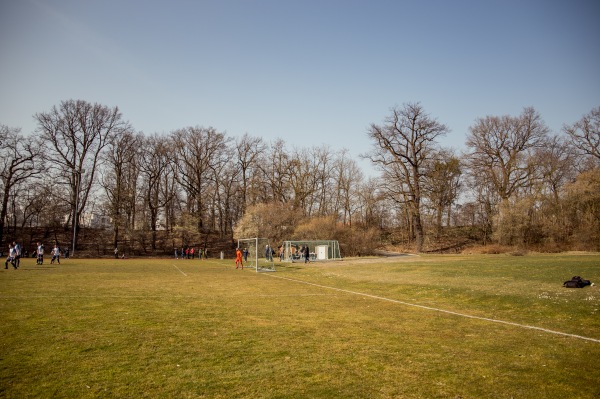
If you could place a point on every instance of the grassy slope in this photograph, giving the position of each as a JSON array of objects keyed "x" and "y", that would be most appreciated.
[{"x": 166, "y": 328}]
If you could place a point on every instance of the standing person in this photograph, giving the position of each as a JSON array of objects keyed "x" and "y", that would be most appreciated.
[
  {"x": 238, "y": 258},
  {"x": 306, "y": 254},
  {"x": 176, "y": 257},
  {"x": 17, "y": 248},
  {"x": 11, "y": 257},
  {"x": 67, "y": 253},
  {"x": 40, "y": 254},
  {"x": 245, "y": 252},
  {"x": 116, "y": 253},
  {"x": 56, "y": 254},
  {"x": 192, "y": 252}
]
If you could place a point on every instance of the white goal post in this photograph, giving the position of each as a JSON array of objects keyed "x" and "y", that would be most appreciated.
[{"x": 257, "y": 253}]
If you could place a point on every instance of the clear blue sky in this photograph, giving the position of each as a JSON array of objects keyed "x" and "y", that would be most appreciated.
[{"x": 311, "y": 72}]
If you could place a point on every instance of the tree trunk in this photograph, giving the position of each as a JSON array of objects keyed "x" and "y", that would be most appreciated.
[
  {"x": 3, "y": 213},
  {"x": 419, "y": 234},
  {"x": 116, "y": 236}
]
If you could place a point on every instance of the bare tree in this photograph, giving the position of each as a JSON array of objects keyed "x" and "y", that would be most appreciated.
[
  {"x": 586, "y": 134},
  {"x": 556, "y": 166},
  {"x": 324, "y": 166},
  {"x": 401, "y": 148},
  {"x": 20, "y": 161},
  {"x": 442, "y": 185},
  {"x": 170, "y": 195},
  {"x": 501, "y": 149},
  {"x": 502, "y": 159},
  {"x": 248, "y": 154},
  {"x": 77, "y": 132},
  {"x": 483, "y": 209},
  {"x": 275, "y": 174},
  {"x": 155, "y": 165},
  {"x": 198, "y": 151},
  {"x": 302, "y": 179},
  {"x": 35, "y": 198},
  {"x": 227, "y": 189},
  {"x": 582, "y": 198},
  {"x": 348, "y": 179},
  {"x": 556, "y": 161},
  {"x": 371, "y": 203},
  {"x": 119, "y": 179}
]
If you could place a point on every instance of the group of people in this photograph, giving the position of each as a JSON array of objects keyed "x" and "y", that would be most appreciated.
[
  {"x": 15, "y": 253},
  {"x": 189, "y": 253},
  {"x": 241, "y": 255},
  {"x": 56, "y": 253}
]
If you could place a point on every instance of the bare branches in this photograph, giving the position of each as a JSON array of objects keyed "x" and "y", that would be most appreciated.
[
  {"x": 77, "y": 132},
  {"x": 501, "y": 149},
  {"x": 201, "y": 179},
  {"x": 585, "y": 134},
  {"x": 20, "y": 161},
  {"x": 200, "y": 152},
  {"x": 402, "y": 146}
]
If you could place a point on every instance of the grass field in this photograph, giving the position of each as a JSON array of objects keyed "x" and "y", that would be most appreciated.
[{"x": 359, "y": 328}]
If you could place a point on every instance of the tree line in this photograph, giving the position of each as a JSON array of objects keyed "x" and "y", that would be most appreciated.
[{"x": 516, "y": 184}]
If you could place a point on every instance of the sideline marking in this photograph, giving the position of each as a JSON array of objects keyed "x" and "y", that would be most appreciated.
[
  {"x": 510, "y": 323},
  {"x": 179, "y": 270}
]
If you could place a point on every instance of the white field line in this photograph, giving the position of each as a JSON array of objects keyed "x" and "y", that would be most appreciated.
[
  {"x": 291, "y": 295},
  {"x": 510, "y": 323},
  {"x": 179, "y": 270}
]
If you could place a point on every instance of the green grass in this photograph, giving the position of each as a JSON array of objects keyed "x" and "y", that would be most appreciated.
[{"x": 152, "y": 328}]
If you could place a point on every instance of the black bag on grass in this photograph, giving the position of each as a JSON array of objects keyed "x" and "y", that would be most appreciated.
[
  {"x": 571, "y": 284},
  {"x": 576, "y": 282}
]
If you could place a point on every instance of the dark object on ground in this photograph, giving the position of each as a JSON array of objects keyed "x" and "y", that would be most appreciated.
[{"x": 576, "y": 282}]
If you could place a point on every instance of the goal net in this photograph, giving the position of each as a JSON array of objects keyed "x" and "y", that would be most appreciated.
[
  {"x": 258, "y": 254},
  {"x": 318, "y": 250}
]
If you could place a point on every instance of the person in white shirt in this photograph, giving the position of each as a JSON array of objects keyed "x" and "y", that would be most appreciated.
[
  {"x": 55, "y": 255},
  {"x": 12, "y": 254},
  {"x": 40, "y": 254}
]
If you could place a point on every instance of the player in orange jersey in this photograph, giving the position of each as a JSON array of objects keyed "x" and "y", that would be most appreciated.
[{"x": 238, "y": 258}]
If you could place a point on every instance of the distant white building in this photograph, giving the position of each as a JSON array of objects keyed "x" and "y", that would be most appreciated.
[{"x": 96, "y": 220}]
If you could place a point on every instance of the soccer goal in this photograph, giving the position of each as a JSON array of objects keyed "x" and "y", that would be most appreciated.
[
  {"x": 318, "y": 250},
  {"x": 257, "y": 254}
]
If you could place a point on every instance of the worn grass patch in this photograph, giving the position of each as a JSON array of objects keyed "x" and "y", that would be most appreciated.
[{"x": 201, "y": 329}]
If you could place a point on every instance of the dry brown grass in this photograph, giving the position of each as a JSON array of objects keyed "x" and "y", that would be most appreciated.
[{"x": 201, "y": 329}]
